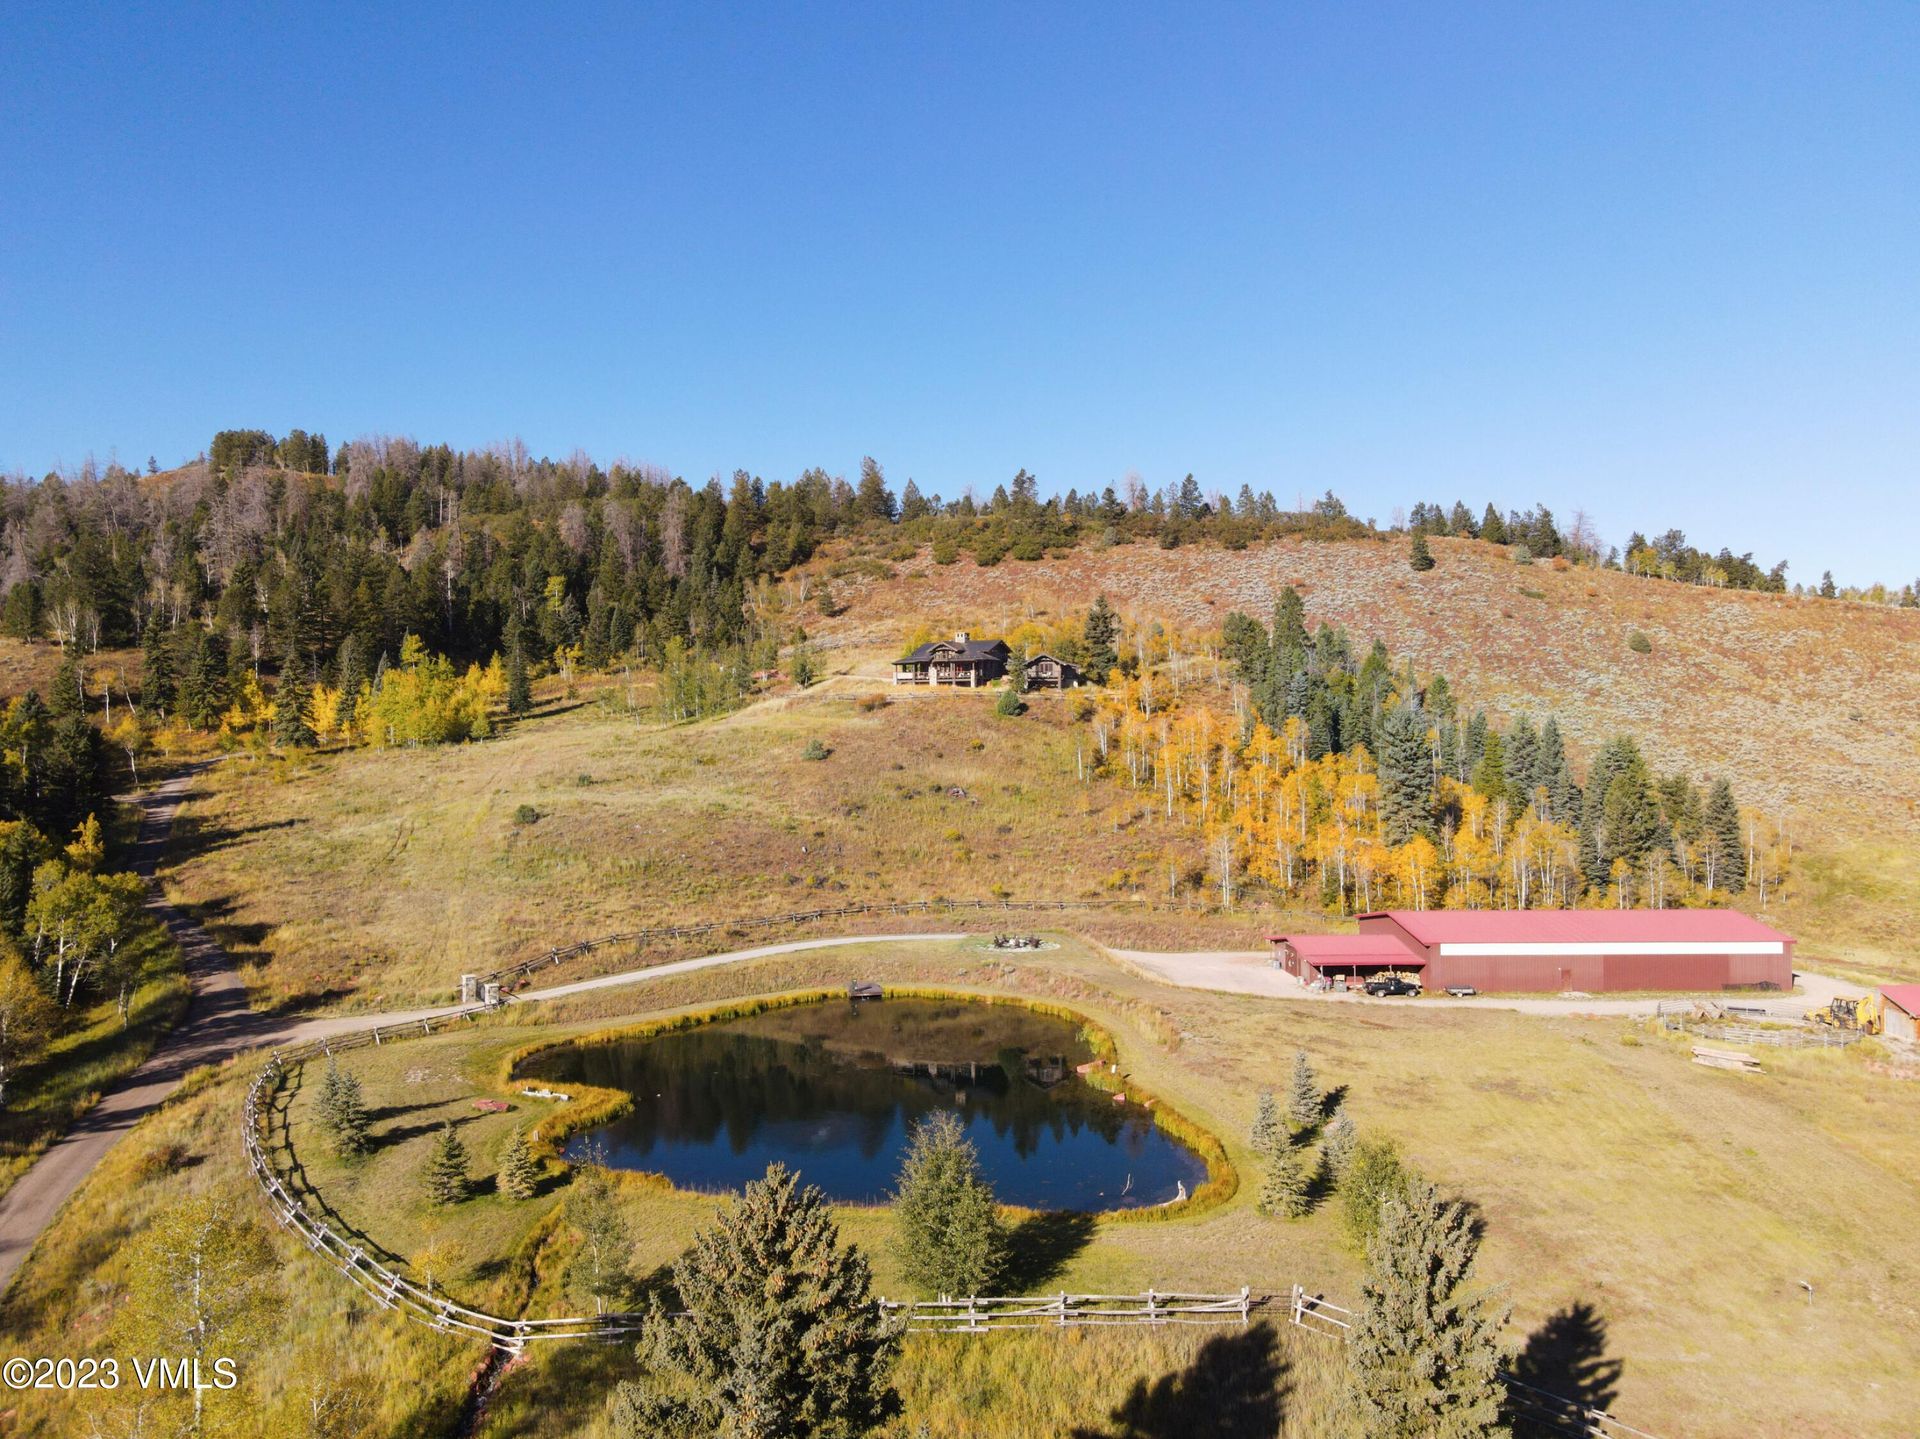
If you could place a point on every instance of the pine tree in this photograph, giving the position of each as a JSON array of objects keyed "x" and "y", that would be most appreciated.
[
  {"x": 445, "y": 1174},
  {"x": 1337, "y": 1148},
  {"x": 1423, "y": 1354},
  {"x": 1285, "y": 1187},
  {"x": 1304, "y": 1099},
  {"x": 292, "y": 724},
  {"x": 1266, "y": 1135},
  {"x": 1102, "y": 628},
  {"x": 1492, "y": 527},
  {"x": 326, "y": 1100},
  {"x": 68, "y": 698},
  {"x": 519, "y": 1175},
  {"x": 777, "y": 1335},
  {"x": 1720, "y": 824},
  {"x": 947, "y": 1225},
  {"x": 1420, "y": 558}
]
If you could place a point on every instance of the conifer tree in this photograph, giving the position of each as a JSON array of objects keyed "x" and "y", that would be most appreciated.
[
  {"x": 1286, "y": 1184},
  {"x": 1337, "y": 1148},
  {"x": 1406, "y": 775},
  {"x": 1267, "y": 1134},
  {"x": 1304, "y": 1099},
  {"x": 352, "y": 665},
  {"x": 1423, "y": 1354},
  {"x": 291, "y": 701},
  {"x": 519, "y": 1175},
  {"x": 1420, "y": 558},
  {"x": 445, "y": 1175},
  {"x": 1721, "y": 825},
  {"x": 777, "y": 1332},
  {"x": 156, "y": 666},
  {"x": 1102, "y": 628},
  {"x": 948, "y": 1227},
  {"x": 519, "y": 687},
  {"x": 1492, "y": 527},
  {"x": 341, "y": 1111}
]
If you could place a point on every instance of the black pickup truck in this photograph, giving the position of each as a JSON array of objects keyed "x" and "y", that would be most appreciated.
[{"x": 1385, "y": 984}]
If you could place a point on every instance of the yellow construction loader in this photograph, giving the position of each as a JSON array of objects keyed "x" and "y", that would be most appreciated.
[{"x": 1864, "y": 1014}]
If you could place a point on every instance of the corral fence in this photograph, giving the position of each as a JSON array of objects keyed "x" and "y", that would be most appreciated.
[
  {"x": 1750, "y": 1024},
  {"x": 979, "y": 1313},
  {"x": 1533, "y": 1409},
  {"x": 515, "y": 974}
]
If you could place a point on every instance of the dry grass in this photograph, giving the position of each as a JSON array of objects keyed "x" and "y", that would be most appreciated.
[
  {"x": 1681, "y": 1203},
  {"x": 376, "y": 878},
  {"x": 1811, "y": 707}
]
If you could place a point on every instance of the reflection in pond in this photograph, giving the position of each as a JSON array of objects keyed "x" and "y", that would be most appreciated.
[{"x": 832, "y": 1089}]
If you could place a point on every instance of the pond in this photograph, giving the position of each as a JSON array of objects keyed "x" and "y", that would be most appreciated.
[{"x": 832, "y": 1089}]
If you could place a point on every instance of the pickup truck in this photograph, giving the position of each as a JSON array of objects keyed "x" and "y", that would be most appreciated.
[{"x": 1386, "y": 984}]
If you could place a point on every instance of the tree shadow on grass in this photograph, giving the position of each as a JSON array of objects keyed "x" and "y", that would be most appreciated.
[
  {"x": 1567, "y": 1357},
  {"x": 1040, "y": 1246},
  {"x": 1236, "y": 1388}
]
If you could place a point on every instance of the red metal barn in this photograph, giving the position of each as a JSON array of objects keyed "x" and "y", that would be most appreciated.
[{"x": 1596, "y": 950}]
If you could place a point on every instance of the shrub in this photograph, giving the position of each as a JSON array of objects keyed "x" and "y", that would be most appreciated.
[
  {"x": 526, "y": 814},
  {"x": 1522, "y": 555},
  {"x": 815, "y": 750},
  {"x": 867, "y": 704},
  {"x": 1639, "y": 643},
  {"x": 1009, "y": 704}
]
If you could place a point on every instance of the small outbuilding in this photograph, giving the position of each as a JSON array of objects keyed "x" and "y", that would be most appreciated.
[
  {"x": 962, "y": 661},
  {"x": 1049, "y": 672},
  {"x": 1353, "y": 957},
  {"x": 1901, "y": 1003}
]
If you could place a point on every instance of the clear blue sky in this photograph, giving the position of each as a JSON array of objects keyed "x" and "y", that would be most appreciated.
[{"x": 1661, "y": 261}]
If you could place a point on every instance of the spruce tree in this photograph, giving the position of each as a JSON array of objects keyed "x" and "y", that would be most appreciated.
[
  {"x": 1102, "y": 630},
  {"x": 777, "y": 1332},
  {"x": 445, "y": 1174},
  {"x": 292, "y": 700},
  {"x": 947, "y": 1226},
  {"x": 1285, "y": 1187},
  {"x": 1720, "y": 823},
  {"x": 352, "y": 666},
  {"x": 351, "y": 1123},
  {"x": 1337, "y": 1148},
  {"x": 519, "y": 1175},
  {"x": 1304, "y": 1099},
  {"x": 156, "y": 666},
  {"x": 1267, "y": 1134},
  {"x": 1420, "y": 558},
  {"x": 1423, "y": 1354},
  {"x": 519, "y": 687},
  {"x": 1406, "y": 775}
]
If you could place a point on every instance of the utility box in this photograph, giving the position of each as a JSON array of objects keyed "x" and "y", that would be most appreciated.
[
  {"x": 490, "y": 994},
  {"x": 469, "y": 988}
]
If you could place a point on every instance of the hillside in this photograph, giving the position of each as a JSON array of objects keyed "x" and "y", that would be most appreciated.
[{"x": 1811, "y": 707}]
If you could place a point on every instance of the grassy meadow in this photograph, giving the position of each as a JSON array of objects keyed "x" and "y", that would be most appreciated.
[
  {"x": 1676, "y": 1210},
  {"x": 373, "y": 879}
]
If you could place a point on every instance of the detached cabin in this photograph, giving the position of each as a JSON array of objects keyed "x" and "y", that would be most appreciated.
[
  {"x": 1047, "y": 672},
  {"x": 962, "y": 661}
]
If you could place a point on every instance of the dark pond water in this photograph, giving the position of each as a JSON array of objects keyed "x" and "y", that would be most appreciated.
[{"x": 832, "y": 1090}]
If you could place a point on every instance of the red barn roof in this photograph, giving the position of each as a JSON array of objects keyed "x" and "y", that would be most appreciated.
[
  {"x": 1906, "y": 996},
  {"x": 1579, "y": 926},
  {"x": 1323, "y": 949}
]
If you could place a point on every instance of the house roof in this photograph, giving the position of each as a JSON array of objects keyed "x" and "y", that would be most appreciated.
[
  {"x": 1055, "y": 658},
  {"x": 1578, "y": 926},
  {"x": 1905, "y": 996},
  {"x": 953, "y": 649},
  {"x": 1322, "y": 949}
]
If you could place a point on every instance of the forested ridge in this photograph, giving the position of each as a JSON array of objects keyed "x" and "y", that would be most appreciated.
[{"x": 283, "y": 547}]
